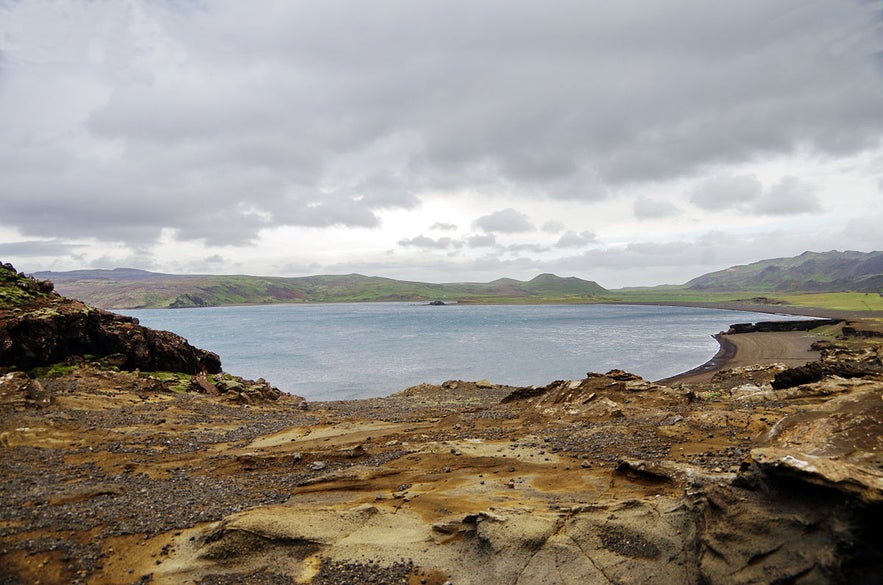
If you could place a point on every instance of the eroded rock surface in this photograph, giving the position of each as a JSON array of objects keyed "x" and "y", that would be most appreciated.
[
  {"x": 38, "y": 328},
  {"x": 123, "y": 477},
  {"x": 113, "y": 482}
]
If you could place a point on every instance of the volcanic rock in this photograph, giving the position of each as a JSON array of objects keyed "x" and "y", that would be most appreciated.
[
  {"x": 112, "y": 476},
  {"x": 39, "y": 328}
]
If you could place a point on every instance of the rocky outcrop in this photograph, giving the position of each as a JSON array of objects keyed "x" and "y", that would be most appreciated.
[
  {"x": 850, "y": 331},
  {"x": 779, "y": 520},
  {"x": 608, "y": 479},
  {"x": 39, "y": 327},
  {"x": 834, "y": 361},
  {"x": 767, "y": 326},
  {"x": 239, "y": 389},
  {"x": 598, "y": 396},
  {"x": 122, "y": 477}
]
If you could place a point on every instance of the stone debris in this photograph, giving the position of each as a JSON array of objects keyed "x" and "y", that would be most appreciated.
[{"x": 113, "y": 475}]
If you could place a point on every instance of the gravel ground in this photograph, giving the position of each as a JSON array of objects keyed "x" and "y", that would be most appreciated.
[{"x": 143, "y": 465}]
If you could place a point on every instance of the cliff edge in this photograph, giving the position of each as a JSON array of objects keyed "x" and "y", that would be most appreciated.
[{"x": 38, "y": 327}]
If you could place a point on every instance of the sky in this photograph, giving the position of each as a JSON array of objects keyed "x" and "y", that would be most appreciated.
[{"x": 631, "y": 142}]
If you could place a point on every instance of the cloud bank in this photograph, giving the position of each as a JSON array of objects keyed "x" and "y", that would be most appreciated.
[{"x": 166, "y": 130}]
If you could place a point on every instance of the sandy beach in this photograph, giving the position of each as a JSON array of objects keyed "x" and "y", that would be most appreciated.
[{"x": 791, "y": 348}]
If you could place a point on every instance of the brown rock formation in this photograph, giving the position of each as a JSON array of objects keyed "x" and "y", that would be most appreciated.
[
  {"x": 39, "y": 328},
  {"x": 125, "y": 477}
]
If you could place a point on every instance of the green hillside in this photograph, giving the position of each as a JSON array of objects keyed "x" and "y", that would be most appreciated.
[
  {"x": 810, "y": 272},
  {"x": 838, "y": 280},
  {"x": 130, "y": 289}
]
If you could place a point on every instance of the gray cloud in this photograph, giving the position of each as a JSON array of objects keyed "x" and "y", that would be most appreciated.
[
  {"x": 505, "y": 221},
  {"x": 426, "y": 243},
  {"x": 572, "y": 239},
  {"x": 526, "y": 247},
  {"x": 482, "y": 241},
  {"x": 33, "y": 248},
  {"x": 744, "y": 193},
  {"x": 554, "y": 227},
  {"x": 646, "y": 208},
  {"x": 383, "y": 189},
  {"x": 443, "y": 226},
  {"x": 216, "y": 121},
  {"x": 726, "y": 192},
  {"x": 790, "y": 196}
]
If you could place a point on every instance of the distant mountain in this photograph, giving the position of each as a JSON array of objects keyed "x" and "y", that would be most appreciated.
[
  {"x": 127, "y": 288},
  {"x": 810, "y": 272},
  {"x": 117, "y": 274}
]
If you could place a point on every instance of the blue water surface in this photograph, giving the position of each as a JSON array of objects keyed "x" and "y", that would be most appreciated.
[{"x": 359, "y": 350}]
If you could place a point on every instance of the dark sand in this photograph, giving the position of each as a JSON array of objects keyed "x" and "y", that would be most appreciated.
[{"x": 792, "y": 348}]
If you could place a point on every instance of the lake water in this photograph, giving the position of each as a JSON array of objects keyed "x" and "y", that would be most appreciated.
[{"x": 341, "y": 351}]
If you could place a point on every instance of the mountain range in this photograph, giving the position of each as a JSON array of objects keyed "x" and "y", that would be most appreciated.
[
  {"x": 809, "y": 272},
  {"x": 128, "y": 288}
]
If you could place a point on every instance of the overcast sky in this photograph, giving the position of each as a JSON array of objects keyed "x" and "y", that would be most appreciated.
[{"x": 627, "y": 142}]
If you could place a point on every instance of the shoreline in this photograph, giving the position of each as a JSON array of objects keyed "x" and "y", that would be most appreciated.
[
  {"x": 726, "y": 353},
  {"x": 729, "y": 351},
  {"x": 776, "y": 347},
  {"x": 738, "y": 349},
  {"x": 764, "y": 308}
]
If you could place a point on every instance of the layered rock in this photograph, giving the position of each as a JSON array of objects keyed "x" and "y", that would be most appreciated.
[
  {"x": 768, "y": 326},
  {"x": 130, "y": 477},
  {"x": 39, "y": 327},
  {"x": 834, "y": 361}
]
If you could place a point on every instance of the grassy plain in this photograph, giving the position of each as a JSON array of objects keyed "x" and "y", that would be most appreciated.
[
  {"x": 179, "y": 291},
  {"x": 840, "y": 301}
]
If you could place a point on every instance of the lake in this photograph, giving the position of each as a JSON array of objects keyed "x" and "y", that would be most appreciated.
[{"x": 359, "y": 350}]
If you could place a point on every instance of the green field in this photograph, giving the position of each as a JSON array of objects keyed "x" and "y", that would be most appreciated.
[
  {"x": 678, "y": 295},
  {"x": 839, "y": 301},
  {"x": 169, "y": 291}
]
